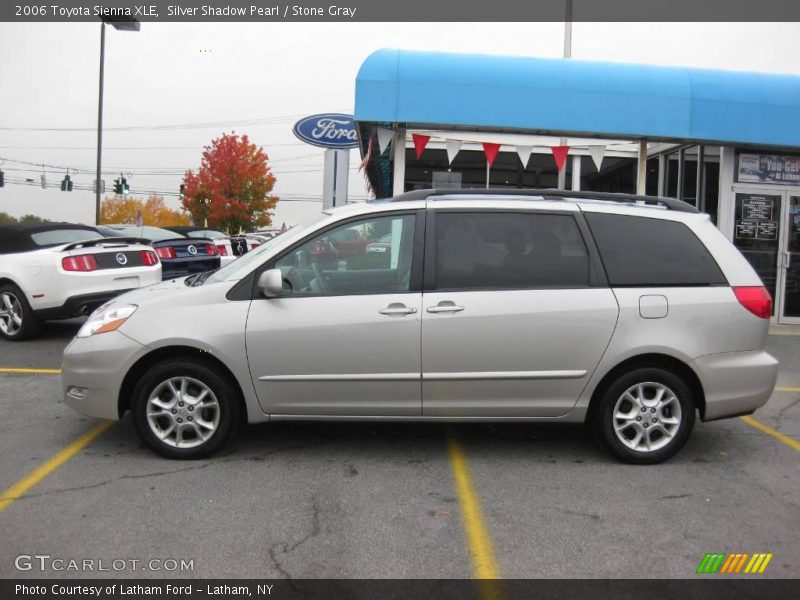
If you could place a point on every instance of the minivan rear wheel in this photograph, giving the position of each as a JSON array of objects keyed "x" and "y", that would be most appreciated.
[
  {"x": 182, "y": 409},
  {"x": 646, "y": 415}
]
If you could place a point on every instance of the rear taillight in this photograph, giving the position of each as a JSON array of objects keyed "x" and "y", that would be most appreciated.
[
  {"x": 211, "y": 250},
  {"x": 756, "y": 299},
  {"x": 166, "y": 252},
  {"x": 84, "y": 262},
  {"x": 254, "y": 245},
  {"x": 149, "y": 258},
  {"x": 222, "y": 251}
]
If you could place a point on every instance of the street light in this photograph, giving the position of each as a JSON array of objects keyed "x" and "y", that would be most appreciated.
[{"x": 120, "y": 24}]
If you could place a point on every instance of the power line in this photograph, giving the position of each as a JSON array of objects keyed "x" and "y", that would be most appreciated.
[
  {"x": 165, "y": 127},
  {"x": 94, "y": 148},
  {"x": 281, "y": 197}
]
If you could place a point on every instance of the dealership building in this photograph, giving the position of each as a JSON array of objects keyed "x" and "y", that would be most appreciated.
[{"x": 726, "y": 142}]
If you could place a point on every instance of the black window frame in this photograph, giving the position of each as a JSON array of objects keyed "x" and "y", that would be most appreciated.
[
  {"x": 245, "y": 288},
  {"x": 596, "y": 276}
]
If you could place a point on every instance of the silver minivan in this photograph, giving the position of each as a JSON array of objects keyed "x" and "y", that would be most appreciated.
[{"x": 631, "y": 314}]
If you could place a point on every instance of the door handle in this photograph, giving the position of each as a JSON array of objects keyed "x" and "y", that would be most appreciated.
[
  {"x": 787, "y": 260},
  {"x": 397, "y": 309},
  {"x": 446, "y": 306}
]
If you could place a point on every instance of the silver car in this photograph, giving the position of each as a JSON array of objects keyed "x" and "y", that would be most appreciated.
[{"x": 632, "y": 314}]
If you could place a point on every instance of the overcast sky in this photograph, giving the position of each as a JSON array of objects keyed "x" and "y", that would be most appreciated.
[{"x": 189, "y": 74}]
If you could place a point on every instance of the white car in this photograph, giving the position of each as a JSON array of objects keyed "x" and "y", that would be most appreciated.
[{"x": 59, "y": 270}]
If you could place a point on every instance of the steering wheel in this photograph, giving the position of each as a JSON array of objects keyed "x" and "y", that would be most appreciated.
[{"x": 321, "y": 282}]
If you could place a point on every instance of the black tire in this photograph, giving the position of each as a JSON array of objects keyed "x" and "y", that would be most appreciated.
[
  {"x": 30, "y": 322},
  {"x": 651, "y": 378},
  {"x": 225, "y": 393}
]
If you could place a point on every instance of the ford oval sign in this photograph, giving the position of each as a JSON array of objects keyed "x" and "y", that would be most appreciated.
[{"x": 330, "y": 130}]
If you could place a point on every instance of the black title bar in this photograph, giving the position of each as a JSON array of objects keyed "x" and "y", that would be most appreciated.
[{"x": 262, "y": 11}]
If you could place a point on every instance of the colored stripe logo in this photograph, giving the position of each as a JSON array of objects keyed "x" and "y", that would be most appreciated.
[{"x": 735, "y": 562}]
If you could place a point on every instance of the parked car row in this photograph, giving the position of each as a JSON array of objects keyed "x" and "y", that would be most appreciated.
[{"x": 52, "y": 271}]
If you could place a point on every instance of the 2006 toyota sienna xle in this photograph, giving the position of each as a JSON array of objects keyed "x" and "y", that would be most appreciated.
[{"x": 631, "y": 314}]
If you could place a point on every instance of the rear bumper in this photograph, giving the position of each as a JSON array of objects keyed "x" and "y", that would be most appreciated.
[
  {"x": 178, "y": 267},
  {"x": 736, "y": 383},
  {"x": 77, "y": 305}
]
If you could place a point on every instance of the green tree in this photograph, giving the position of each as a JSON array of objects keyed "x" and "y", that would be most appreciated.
[{"x": 33, "y": 219}]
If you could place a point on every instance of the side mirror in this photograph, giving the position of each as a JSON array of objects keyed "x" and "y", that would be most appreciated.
[{"x": 270, "y": 283}]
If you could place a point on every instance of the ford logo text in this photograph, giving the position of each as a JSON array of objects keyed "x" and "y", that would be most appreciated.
[{"x": 332, "y": 130}]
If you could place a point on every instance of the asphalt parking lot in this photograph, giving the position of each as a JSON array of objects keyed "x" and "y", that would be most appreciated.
[{"x": 391, "y": 501}]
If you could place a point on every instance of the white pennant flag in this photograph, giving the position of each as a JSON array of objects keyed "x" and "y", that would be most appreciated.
[
  {"x": 524, "y": 153},
  {"x": 384, "y": 137},
  {"x": 453, "y": 147},
  {"x": 597, "y": 153}
]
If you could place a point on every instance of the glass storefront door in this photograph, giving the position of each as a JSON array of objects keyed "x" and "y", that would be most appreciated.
[
  {"x": 767, "y": 232},
  {"x": 790, "y": 262},
  {"x": 756, "y": 233}
]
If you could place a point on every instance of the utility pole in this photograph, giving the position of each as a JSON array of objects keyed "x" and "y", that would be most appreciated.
[
  {"x": 99, "y": 184},
  {"x": 562, "y": 174},
  {"x": 120, "y": 24}
]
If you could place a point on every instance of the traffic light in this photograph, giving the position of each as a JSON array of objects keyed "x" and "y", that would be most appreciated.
[
  {"x": 118, "y": 187},
  {"x": 2, "y": 179},
  {"x": 66, "y": 184},
  {"x": 183, "y": 188},
  {"x": 125, "y": 187}
]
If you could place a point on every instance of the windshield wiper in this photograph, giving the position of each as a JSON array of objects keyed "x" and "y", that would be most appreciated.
[{"x": 198, "y": 278}]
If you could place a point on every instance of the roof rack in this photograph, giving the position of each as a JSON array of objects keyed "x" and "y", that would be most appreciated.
[{"x": 669, "y": 203}]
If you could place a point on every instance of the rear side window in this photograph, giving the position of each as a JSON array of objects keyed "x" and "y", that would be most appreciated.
[
  {"x": 497, "y": 250},
  {"x": 639, "y": 251}
]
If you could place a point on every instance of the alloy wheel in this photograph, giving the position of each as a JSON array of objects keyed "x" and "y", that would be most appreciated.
[
  {"x": 183, "y": 412},
  {"x": 647, "y": 416},
  {"x": 10, "y": 314}
]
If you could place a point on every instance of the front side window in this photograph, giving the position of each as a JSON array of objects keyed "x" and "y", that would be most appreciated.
[
  {"x": 498, "y": 250},
  {"x": 371, "y": 256}
]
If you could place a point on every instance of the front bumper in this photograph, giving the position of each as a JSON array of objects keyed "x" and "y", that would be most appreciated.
[
  {"x": 92, "y": 371},
  {"x": 736, "y": 383}
]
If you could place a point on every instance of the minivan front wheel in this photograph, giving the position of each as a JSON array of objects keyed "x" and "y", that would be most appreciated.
[
  {"x": 183, "y": 409},
  {"x": 646, "y": 415}
]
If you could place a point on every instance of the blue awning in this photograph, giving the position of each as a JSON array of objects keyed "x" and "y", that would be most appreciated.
[{"x": 580, "y": 98}]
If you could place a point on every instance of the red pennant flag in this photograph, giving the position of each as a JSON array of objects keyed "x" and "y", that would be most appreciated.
[
  {"x": 420, "y": 141},
  {"x": 490, "y": 150},
  {"x": 560, "y": 154}
]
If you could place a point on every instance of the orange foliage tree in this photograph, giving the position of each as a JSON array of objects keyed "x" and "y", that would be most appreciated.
[
  {"x": 124, "y": 209},
  {"x": 231, "y": 189}
]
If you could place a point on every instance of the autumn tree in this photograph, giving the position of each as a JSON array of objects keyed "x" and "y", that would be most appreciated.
[
  {"x": 124, "y": 209},
  {"x": 231, "y": 189}
]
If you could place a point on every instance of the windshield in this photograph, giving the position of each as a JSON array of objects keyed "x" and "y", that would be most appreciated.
[
  {"x": 248, "y": 262},
  {"x": 56, "y": 237}
]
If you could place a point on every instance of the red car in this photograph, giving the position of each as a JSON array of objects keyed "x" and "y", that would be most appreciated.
[{"x": 340, "y": 244}]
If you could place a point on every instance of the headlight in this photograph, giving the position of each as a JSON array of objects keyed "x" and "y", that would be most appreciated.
[{"x": 106, "y": 319}]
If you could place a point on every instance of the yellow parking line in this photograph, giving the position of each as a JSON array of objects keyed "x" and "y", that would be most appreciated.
[
  {"x": 479, "y": 543},
  {"x": 791, "y": 442},
  {"x": 19, "y": 489},
  {"x": 787, "y": 389},
  {"x": 21, "y": 371}
]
